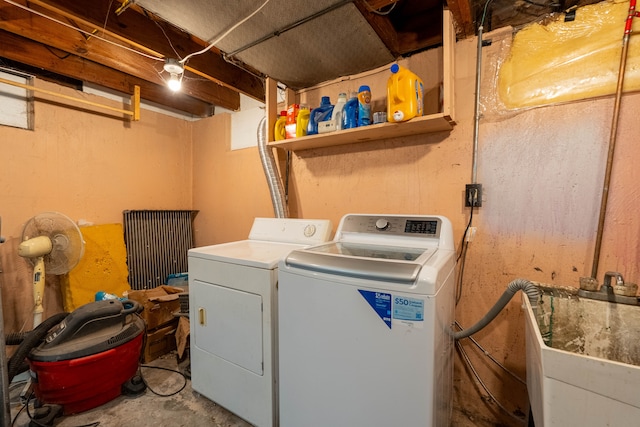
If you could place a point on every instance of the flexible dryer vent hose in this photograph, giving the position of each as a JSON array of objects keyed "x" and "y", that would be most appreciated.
[
  {"x": 523, "y": 285},
  {"x": 271, "y": 172}
]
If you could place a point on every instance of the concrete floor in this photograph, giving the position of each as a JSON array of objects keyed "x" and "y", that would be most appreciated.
[{"x": 184, "y": 409}]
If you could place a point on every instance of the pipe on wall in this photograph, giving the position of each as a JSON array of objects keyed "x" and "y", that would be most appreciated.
[{"x": 613, "y": 138}]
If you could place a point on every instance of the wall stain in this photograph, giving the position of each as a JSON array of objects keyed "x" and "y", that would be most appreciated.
[
  {"x": 553, "y": 275},
  {"x": 537, "y": 269}
]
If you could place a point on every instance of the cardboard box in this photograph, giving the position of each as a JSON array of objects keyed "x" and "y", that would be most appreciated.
[
  {"x": 159, "y": 304},
  {"x": 160, "y": 341}
]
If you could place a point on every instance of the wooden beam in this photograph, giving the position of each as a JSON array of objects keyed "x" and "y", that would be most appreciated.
[
  {"x": 461, "y": 11},
  {"x": 112, "y": 55},
  {"x": 166, "y": 40},
  {"x": 382, "y": 26},
  {"x": 271, "y": 107},
  {"x": 38, "y": 55},
  {"x": 411, "y": 26}
]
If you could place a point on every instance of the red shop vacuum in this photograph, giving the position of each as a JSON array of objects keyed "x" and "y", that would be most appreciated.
[{"x": 90, "y": 357}]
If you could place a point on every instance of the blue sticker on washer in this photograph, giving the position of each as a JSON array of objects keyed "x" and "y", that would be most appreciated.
[
  {"x": 405, "y": 308},
  {"x": 381, "y": 304}
]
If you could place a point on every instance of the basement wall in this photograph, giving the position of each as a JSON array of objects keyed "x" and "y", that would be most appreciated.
[
  {"x": 89, "y": 165},
  {"x": 92, "y": 164},
  {"x": 541, "y": 169}
]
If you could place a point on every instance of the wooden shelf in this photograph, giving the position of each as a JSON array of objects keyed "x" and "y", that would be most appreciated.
[
  {"x": 439, "y": 122},
  {"x": 419, "y": 125}
]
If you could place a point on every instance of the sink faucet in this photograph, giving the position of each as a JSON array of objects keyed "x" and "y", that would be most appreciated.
[
  {"x": 606, "y": 286},
  {"x": 625, "y": 293}
]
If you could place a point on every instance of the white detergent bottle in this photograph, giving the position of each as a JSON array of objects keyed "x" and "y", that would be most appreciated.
[{"x": 337, "y": 110}]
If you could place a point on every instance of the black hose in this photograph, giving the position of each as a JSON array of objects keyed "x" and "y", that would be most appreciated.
[
  {"x": 31, "y": 340},
  {"x": 15, "y": 338},
  {"x": 524, "y": 285}
]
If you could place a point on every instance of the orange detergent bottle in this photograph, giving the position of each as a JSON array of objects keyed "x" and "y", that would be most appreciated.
[
  {"x": 290, "y": 124},
  {"x": 405, "y": 92}
]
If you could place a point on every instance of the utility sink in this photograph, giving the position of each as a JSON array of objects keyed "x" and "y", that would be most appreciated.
[{"x": 583, "y": 361}]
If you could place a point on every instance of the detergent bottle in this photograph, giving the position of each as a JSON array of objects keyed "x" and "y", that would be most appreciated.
[
  {"x": 364, "y": 106},
  {"x": 336, "y": 117},
  {"x": 302, "y": 120},
  {"x": 405, "y": 95},
  {"x": 279, "y": 132},
  {"x": 291, "y": 122},
  {"x": 350, "y": 112},
  {"x": 320, "y": 114}
]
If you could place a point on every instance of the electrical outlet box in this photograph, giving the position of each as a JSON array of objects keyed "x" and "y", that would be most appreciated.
[{"x": 473, "y": 195}]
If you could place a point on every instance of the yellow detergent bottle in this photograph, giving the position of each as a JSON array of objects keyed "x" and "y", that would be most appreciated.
[
  {"x": 405, "y": 92},
  {"x": 279, "y": 130},
  {"x": 302, "y": 120}
]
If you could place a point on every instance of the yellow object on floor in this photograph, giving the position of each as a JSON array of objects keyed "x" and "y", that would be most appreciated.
[
  {"x": 566, "y": 61},
  {"x": 102, "y": 268}
]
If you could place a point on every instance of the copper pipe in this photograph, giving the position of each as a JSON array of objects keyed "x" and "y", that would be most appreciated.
[{"x": 612, "y": 139}]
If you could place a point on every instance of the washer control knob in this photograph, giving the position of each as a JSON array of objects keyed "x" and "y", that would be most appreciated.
[
  {"x": 382, "y": 224},
  {"x": 309, "y": 230}
]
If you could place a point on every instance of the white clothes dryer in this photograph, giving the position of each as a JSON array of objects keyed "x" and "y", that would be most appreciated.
[
  {"x": 233, "y": 315},
  {"x": 364, "y": 325}
]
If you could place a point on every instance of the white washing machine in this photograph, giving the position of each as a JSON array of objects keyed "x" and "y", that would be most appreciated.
[
  {"x": 363, "y": 325},
  {"x": 233, "y": 315}
]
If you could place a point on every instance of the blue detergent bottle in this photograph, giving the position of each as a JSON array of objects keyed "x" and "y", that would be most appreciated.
[
  {"x": 320, "y": 114},
  {"x": 350, "y": 112}
]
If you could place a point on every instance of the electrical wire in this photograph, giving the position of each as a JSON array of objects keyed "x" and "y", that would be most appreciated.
[
  {"x": 55, "y": 54},
  {"x": 464, "y": 245},
  {"x": 484, "y": 13},
  {"x": 13, "y": 422},
  {"x": 106, "y": 18},
  {"x": 28, "y": 9},
  {"x": 167, "y": 37},
  {"x": 484, "y": 386},
  {"x": 39, "y": 424},
  {"x": 225, "y": 34},
  {"x": 163, "y": 369},
  {"x": 377, "y": 11}
]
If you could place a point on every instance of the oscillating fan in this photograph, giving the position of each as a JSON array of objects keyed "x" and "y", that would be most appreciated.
[{"x": 51, "y": 241}]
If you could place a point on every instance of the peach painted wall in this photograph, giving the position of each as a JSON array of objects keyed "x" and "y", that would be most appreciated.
[
  {"x": 542, "y": 174},
  {"x": 91, "y": 166},
  {"x": 229, "y": 186}
]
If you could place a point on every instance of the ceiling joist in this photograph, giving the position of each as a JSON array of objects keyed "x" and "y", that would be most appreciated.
[
  {"x": 23, "y": 50},
  {"x": 150, "y": 34}
]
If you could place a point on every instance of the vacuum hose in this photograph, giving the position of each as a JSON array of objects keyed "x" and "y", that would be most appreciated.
[
  {"x": 31, "y": 339},
  {"x": 524, "y": 285}
]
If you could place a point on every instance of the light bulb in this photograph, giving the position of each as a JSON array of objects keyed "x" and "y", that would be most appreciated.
[
  {"x": 175, "y": 69},
  {"x": 174, "y": 82}
]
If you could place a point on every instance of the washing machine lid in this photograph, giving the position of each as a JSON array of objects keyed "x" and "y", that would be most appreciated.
[
  {"x": 253, "y": 253},
  {"x": 374, "y": 262}
]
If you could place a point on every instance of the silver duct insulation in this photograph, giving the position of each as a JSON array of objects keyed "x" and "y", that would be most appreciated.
[
  {"x": 523, "y": 285},
  {"x": 271, "y": 172}
]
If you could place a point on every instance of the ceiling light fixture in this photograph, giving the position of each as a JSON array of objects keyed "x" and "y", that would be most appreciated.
[{"x": 176, "y": 70}]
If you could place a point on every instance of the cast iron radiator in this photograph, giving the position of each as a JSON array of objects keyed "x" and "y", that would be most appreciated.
[{"x": 157, "y": 243}]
